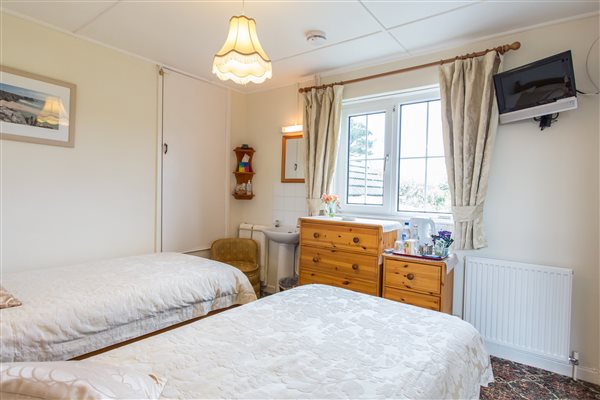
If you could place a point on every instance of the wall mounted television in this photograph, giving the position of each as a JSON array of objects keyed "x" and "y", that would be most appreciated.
[{"x": 539, "y": 89}]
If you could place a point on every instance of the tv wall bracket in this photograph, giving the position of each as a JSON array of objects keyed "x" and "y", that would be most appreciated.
[{"x": 546, "y": 120}]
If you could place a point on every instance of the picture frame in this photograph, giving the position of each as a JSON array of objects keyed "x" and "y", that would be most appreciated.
[{"x": 36, "y": 109}]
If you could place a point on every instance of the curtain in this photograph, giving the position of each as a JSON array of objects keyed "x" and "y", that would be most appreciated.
[
  {"x": 322, "y": 113},
  {"x": 469, "y": 123}
]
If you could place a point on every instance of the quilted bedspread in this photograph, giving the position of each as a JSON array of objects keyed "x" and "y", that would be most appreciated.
[
  {"x": 316, "y": 341},
  {"x": 74, "y": 310}
]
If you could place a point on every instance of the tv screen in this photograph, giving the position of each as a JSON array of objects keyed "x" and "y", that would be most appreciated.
[{"x": 541, "y": 82}]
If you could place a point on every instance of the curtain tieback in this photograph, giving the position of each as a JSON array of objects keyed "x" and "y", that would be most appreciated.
[{"x": 467, "y": 213}]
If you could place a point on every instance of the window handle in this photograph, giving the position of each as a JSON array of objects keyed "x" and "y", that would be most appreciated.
[{"x": 385, "y": 162}]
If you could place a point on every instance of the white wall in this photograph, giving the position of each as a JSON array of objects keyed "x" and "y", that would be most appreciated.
[
  {"x": 543, "y": 200},
  {"x": 96, "y": 200}
]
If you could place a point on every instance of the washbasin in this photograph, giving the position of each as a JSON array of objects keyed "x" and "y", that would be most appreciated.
[{"x": 283, "y": 234}]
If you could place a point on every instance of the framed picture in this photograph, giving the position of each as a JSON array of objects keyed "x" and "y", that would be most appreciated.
[{"x": 36, "y": 109}]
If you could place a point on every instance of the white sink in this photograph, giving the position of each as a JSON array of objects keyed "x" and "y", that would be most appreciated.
[{"x": 283, "y": 234}]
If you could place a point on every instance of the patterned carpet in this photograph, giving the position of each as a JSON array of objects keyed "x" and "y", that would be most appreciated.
[{"x": 519, "y": 381}]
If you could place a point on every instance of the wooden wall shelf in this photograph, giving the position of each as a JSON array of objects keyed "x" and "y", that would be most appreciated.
[
  {"x": 243, "y": 177},
  {"x": 243, "y": 196}
]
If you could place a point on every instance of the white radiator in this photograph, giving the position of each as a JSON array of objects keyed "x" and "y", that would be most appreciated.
[
  {"x": 523, "y": 311},
  {"x": 252, "y": 231}
]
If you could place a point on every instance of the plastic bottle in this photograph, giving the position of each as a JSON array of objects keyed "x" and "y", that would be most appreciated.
[
  {"x": 406, "y": 232},
  {"x": 249, "y": 188}
]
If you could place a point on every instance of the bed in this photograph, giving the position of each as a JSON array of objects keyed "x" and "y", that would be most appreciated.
[
  {"x": 316, "y": 341},
  {"x": 71, "y": 311}
]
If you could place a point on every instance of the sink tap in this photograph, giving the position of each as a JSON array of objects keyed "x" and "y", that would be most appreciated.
[{"x": 277, "y": 223}]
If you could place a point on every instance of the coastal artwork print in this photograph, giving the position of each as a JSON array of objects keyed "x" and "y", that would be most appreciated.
[{"x": 36, "y": 109}]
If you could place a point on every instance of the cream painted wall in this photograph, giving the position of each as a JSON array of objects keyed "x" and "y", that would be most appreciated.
[
  {"x": 543, "y": 200},
  {"x": 96, "y": 200}
]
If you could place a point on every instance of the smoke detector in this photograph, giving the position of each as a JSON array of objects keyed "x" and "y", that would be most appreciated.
[{"x": 316, "y": 38}]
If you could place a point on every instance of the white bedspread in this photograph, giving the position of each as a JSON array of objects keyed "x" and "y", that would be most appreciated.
[
  {"x": 73, "y": 310},
  {"x": 317, "y": 342}
]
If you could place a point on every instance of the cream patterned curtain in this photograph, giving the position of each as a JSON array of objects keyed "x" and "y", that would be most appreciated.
[
  {"x": 322, "y": 113},
  {"x": 469, "y": 122}
]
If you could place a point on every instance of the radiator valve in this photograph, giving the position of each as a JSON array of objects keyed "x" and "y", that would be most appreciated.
[{"x": 574, "y": 361}]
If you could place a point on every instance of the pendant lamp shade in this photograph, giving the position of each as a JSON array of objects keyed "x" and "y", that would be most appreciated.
[{"x": 242, "y": 59}]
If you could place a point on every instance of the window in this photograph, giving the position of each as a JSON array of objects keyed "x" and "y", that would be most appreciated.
[{"x": 391, "y": 156}]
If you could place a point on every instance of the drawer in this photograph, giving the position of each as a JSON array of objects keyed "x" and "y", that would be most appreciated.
[
  {"x": 415, "y": 299},
  {"x": 341, "y": 237},
  {"x": 407, "y": 275},
  {"x": 336, "y": 262},
  {"x": 308, "y": 276}
]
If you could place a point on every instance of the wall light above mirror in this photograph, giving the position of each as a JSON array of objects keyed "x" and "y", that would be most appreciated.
[
  {"x": 292, "y": 158},
  {"x": 291, "y": 128}
]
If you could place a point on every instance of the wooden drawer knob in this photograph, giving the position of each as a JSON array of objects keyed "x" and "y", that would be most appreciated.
[
  {"x": 316, "y": 259},
  {"x": 355, "y": 267},
  {"x": 410, "y": 276},
  {"x": 316, "y": 235},
  {"x": 356, "y": 239}
]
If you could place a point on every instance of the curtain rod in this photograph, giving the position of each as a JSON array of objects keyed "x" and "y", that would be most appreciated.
[{"x": 500, "y": 49}]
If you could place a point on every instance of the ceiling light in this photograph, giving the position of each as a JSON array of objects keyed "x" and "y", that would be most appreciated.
[
  {"x": 241, "y": 58},
  {"x": 316, "y": 38}
]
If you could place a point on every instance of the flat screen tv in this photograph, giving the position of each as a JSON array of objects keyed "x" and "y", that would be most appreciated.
[{"x": 541, "y": 88}]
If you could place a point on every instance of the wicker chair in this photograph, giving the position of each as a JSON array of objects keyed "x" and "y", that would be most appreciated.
[{"x": 242, "y": 254}]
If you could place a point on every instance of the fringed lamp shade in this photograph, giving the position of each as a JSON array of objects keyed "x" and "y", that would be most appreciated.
[{"x": 242, "y": 58}]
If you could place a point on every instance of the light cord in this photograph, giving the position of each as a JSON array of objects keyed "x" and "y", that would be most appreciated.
[{"x": 587, "y": 69}]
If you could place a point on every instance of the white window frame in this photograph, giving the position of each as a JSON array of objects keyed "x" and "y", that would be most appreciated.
[{"x": 390, "y": 104}]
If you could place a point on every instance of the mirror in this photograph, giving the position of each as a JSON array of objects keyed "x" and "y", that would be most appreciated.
[{"x": 292, "y": 158}]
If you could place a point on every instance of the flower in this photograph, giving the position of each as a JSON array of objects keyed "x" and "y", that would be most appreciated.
[
  {"x": 330, "y": 203},
  {"x": 444, "y": 237},
  {"x": 330, "y": 198}
]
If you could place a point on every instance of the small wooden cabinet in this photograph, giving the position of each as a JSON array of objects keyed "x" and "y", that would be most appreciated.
[
  {"x": 343, "y": 254},
  {"x": 420, "y": 282}
]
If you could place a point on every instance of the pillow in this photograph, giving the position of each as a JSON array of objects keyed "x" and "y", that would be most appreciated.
[
  {"x": 76, "y": 380},
  {"x": 7, "y": 300}
]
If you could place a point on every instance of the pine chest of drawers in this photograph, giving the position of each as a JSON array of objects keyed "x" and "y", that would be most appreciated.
[
  {"x": 343, "y": 254},
  {"x": 419, "y": 282}
]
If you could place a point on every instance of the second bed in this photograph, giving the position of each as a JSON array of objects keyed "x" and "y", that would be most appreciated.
[{"x": 74, "y": 310}]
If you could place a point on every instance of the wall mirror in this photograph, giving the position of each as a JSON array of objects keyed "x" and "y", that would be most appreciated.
[{"x": 292, "y": 158}]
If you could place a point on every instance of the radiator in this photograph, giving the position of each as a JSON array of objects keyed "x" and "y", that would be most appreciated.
[
  {"x": 523, "y": 311},
  {"x": 252, "y": 231}
]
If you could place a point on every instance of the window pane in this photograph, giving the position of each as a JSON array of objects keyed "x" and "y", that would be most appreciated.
[
  {"x": 413, "y": 128},
  {"x": 438, "y": 194},
  {"x": 374, "y": 182},
  {"x": 376, "y": 135},
  {"x": 356, "y": 181},
  {"x": 366, "y": 152},
  {"x": 435, "y": 145},
  {"x": 411, "y": 190},
  {"x": 357, "y": 137}
]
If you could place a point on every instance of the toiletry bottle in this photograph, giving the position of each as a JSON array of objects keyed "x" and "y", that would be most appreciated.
[
  {"x": 406, "y": 232},
  {"x": 249, "y": 188}
]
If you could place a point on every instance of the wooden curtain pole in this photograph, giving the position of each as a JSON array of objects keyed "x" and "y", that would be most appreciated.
[{"x": 500, "y": 50}]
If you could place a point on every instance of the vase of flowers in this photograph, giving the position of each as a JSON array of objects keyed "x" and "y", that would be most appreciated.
[
  {"x": 330, "y": 203},
  {"x": 441, "y": 243}
]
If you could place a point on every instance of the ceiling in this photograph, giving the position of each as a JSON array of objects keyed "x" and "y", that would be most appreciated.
[{"x": 186, "y": 34}]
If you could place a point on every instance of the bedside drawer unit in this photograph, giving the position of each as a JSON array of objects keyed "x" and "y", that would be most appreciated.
[
  {"x": 420, "y": 282},
  {"x": 308, "y": 276},
  {"x": 341, "y": 237},
  {"x": 334, "y": 261},
  {"x": 415, "y": 299},
  {"x": 412, "y": 276}
]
